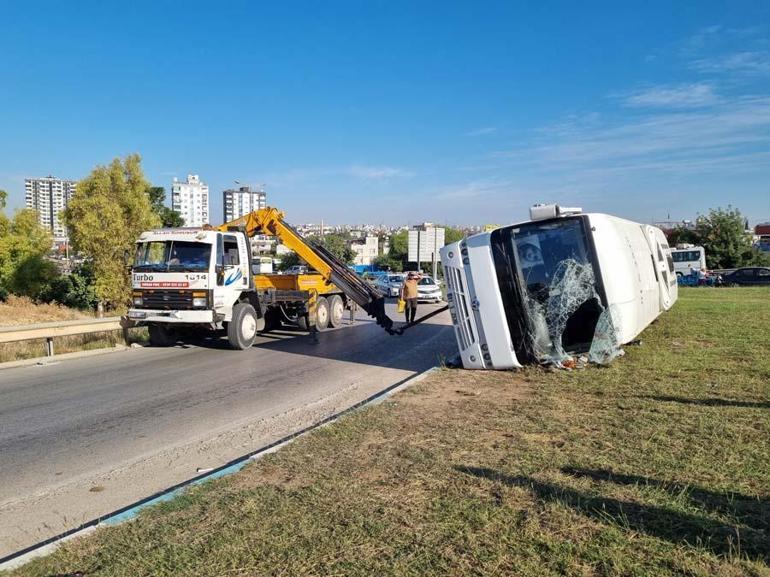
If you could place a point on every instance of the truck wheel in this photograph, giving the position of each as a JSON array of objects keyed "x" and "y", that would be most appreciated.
[
  {"x": 242, "y": 329},
  {"x": 322, "y": 314},
  {"x": 302, "y": 322},
  {"x": 161, "y": 336},
  {"x": 336, "y": 310}
]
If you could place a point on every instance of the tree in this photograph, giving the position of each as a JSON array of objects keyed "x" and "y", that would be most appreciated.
[
  {"x": 338, "y": 245},
  {"x": 168, "y": 218},
  {"x": 289, "y": 260},
  {"x": 388, "y": 262},
  {"x": 24, "y": 243},
  {"x": 105, "y": 216},
  {"x": 682, "y": 235},
  {"x": 74, "y": 290},
  {"x": 723, "y": 235},
  {"x": 3, "y": 198}
]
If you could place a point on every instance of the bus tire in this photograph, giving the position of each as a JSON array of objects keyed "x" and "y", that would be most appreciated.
[
  {"x": 242, "y": 328},
  {"x": 161, "y": 335},
  {"x": 322, "y": 314},
  {"x": 336, "y": 311}
]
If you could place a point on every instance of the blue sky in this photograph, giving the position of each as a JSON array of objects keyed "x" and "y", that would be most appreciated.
[{"x": 396, "y": 112}]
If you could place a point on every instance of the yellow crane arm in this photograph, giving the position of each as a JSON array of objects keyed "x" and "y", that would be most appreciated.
[{"x": 269, "y": 221}]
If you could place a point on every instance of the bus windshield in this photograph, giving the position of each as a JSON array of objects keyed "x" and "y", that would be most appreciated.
[
  {"x": 546, "y": 275},
  {"x": 172, "y": 256}
]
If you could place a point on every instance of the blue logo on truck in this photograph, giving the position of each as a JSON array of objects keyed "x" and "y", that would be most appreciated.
[{"x": 233, "y": 277}]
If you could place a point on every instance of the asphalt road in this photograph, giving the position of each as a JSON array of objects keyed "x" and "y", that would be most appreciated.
[{"x": 83, "y": 437}]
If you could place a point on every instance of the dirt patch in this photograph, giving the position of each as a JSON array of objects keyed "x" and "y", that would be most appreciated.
[{"x": 452, "y": 385}]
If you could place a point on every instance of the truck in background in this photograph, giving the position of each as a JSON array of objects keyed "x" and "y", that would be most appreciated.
[{"x": 561, "y": 284}]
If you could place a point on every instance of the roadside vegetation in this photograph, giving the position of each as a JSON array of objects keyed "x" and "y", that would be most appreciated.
[
  {"x": 20, "y": 311},
  {"x": 655, "y": 465}
]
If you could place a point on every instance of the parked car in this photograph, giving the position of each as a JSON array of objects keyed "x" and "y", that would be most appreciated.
[
  {"x": 428, "y": 290},
  {"x": 389, "y": 284},
  {"x": 296, "y": 269},
  {"x": 748, "y": 276}
]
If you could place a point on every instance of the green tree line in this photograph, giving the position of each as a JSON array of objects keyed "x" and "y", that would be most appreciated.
[
  {"x": 110, "y": 208},
  {"x": 722, "y": 233}
]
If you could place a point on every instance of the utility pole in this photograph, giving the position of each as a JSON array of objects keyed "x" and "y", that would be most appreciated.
[{"x": 435, "y": 242}]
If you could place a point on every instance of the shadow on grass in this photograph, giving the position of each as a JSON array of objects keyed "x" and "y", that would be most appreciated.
[
  {"x": 721, "y": 538},
  {"x": 710, "y": 402}
]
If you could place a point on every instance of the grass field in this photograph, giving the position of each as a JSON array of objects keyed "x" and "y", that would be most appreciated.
[{"x": 656, "y": 465}]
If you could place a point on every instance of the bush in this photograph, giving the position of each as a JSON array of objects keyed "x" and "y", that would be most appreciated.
[
  {"x": 75, "y": 290},
  {"x": 3, "y": 294}
]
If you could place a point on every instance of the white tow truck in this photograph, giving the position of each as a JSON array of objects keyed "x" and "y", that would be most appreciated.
[{"x": 204, "y": 279}]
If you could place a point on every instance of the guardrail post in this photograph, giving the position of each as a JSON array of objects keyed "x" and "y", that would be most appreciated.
[{"x": 49, "y": 347}]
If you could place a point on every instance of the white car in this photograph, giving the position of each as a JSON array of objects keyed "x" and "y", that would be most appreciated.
[
  {"x": 390, "y": 284},
  {"x": 428, "y": 290}
]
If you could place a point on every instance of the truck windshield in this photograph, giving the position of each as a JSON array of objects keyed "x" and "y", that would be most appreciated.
[
  {"x": 172, "y": 256},
  {"x": 546, "y": 274}
]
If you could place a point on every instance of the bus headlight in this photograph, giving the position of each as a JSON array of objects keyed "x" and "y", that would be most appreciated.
[{"x": 199, "y": 301}]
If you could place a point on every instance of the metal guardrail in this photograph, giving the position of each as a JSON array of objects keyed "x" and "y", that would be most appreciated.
[{"x": 49, "y": 331}]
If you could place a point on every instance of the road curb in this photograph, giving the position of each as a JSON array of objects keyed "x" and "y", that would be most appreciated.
[{"x": 47, "y": 546}]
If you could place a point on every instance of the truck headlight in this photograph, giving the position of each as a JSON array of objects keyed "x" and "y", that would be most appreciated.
[
  {"x": 138, "y": 301},
  {"x": 199, "y": 301}
]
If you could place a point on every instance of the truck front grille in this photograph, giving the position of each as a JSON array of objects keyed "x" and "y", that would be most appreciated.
[
  {"x": 461, "y": 313},
  {"x": 167, "y": 299}
]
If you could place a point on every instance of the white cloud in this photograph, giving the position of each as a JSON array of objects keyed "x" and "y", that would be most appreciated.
[
  {"x": 732, "y": 136},
  {"x": 376, "y": 172},
  {"x": 678, "y": 96},
  {"x": 482, "y": 131},
  {"x": 753, "y": 63}
]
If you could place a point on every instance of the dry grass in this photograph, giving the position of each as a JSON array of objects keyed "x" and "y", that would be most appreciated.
[
  {"x": 18, "y": 311},
  {"x": 24, "y": 311},
  {"x": 656, "y": 465}
]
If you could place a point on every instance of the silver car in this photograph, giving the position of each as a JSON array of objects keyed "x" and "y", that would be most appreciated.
[
  {"x": 428, "y": 290},
  {"x": 390, "y": 284}
]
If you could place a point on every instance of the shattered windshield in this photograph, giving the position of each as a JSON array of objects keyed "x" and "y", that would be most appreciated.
[
  {"x": 542, "y": 247},
  {"x": 546, "y": 275},
  {"x": 172, "y": 256}
]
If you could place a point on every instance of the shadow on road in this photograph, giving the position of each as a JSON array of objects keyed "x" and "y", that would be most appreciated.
[{"x": 422, "y": 347}]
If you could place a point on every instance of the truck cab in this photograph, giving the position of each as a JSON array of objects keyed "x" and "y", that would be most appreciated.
[{"x": 188, "y": 276}]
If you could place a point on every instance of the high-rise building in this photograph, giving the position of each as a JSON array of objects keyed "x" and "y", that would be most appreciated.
[
  {"x": 191, "y": 200},
  {"x": 49, "y": 197},
  {"x": 236, "y": 203}
]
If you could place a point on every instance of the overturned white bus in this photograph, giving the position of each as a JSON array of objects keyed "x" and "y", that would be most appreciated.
[{"x": 561, "y": 284}]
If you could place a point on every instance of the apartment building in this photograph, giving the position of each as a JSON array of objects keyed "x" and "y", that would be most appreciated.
[
  {"x": 49, "y": 196},
  {"x": 191, "y": 199},
  {"x": 236, "y": 203}
]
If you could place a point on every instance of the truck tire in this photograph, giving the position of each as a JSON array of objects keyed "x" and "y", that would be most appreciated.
[
  {"x": 242, "y": 329},
  {"x": 302, "y": 322},
  {"x": 322, "y": 314},
  {"x": 161, "y": 335},
  {"x": 336, "y": 311}
]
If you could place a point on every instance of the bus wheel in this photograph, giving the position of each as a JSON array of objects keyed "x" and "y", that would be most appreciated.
[
  {"x": 336, "y": 310},
  {"x": 161, "y": 336},
  {"x": 322, "y": 314},
  {"x": 242, "y": 329}
]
